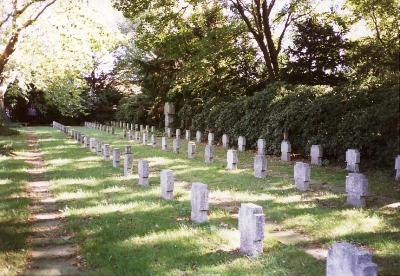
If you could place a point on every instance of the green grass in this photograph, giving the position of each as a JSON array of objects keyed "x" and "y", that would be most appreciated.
[
  {"x": 14, "y": 227},
  {"x": 126, "y": 229}
]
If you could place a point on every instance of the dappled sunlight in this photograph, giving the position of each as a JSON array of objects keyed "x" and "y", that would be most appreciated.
[
  {"x": 5, "y": 181},
  {"x": 100, "y": 209},
  {"x": 59, "y": 162},
  {"x": 78, "y": 194},
  {"x": 158, "y": 161},
  {"x": 75, "y": 181},
  {"x": 231, "y": 238}
]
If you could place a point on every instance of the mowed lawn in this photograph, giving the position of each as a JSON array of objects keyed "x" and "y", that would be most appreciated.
[
  {"x": 125, "y": 229},
  {"x": 14, "y": 227}
]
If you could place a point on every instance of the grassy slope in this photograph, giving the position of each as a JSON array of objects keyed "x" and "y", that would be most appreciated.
[
  {"x": 14, "y": 228},
  {"x": 124, "y": 228}
]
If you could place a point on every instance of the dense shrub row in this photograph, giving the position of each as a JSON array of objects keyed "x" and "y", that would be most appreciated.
[{"x": 337, "y": 118}]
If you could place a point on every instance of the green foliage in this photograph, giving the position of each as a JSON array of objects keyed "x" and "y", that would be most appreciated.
[
  {"x": 317, "y": 55},
  {"x": 338, "y": 119}
]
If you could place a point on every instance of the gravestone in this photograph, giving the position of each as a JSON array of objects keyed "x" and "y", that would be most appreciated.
[
  {"x": 241, "y": 143},
  {"x": 147, "y": 128},
  {"x": 92, "y": 145},
  {"x": 153, "y": 129},
  {"x": 352, "y": 160},
  {"x": 153, "y": 140},
  {"x": 128, "y": 161},
  {"x": 251, "y": 228},
  {"x": 345, "y": 259},
  {"x": 136, "y": 127},
  {"x": 209, "y": 154},
  {"x": 116, "y": 157},
  {"x": 199, "y": 202},
  {"x": 356, "y": 189},
  {"x": 187, "y": 135},
  {"x": 260, "y": 166},
  {"x": 145, "y": 138},
  {"x": 124, "y": 134},
  {"x": 176, "y": 145},
  {"x": 99, "y": 148},
  {"x": 316, "y": 155},
  {"x": 231, "y": 159},
  {"x": 302, "y": 176},
  {"x": 210, "y": 138},
  {"x": 286, "y": 150},
  {"x": 169, "y": 132},
  {"x": 178, "y": 133},
  {"x": 191, "y": 150},
  {"x": 87, "y": 142},
  {"x": 198, "y": 136},
  {"x": 261, "y": 144},
  {"x": 167, "y": 184},
  {"x": 225, "y": 141},
  {"x": 130, "y": 135},
  {"x": 143, "y": 172},
  {"x": 137, "y": 136},
  {"x": 397, "y": 167},
  {"x": 164, "y": 144},
  {"x": 113, "y": 131},
  {"x": 106, "y": 151},
  {"x": 141, "y": 128}
]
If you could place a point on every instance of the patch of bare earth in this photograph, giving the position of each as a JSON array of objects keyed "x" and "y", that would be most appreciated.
[{"x": 52, "y": 252}]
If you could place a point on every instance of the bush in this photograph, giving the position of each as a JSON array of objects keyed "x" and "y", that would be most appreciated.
[{"x": 337, "y": 118}]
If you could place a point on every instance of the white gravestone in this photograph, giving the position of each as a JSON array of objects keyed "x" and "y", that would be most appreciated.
[
  {"x": 352, "y": 160},
  {"x": 106, "y": 152},
  {"x": 191, "y": 150},
  {"x": 210, "y": 138},
  {"x": 143, "y": 172},
  {"x": 225, "y": 141},
  {"x": 164, "y": 144},
  {"x": 251, "y": 228},
  {"x": 302, "y": 176},
  {"x": 176, "y": 144},
  {"x": 241, "y": 143},
  {"x": 356, "y": 189},
  {"x": 198, "y": 136},
  {"x": 345, "y": 259},
  {"x": 128, "y": 158},
  {"x": 116, "y": 157},
  {"x": 167, "y": 184},
  {"x": 199, "y": 202},
  {"x": 316, "y": 155},
  {"x": 187, "y": 135},
  {"x": 261, "y": 144},
  {"x": 260, "y": 166},
  {"x": 208, "y": 154},
  {"x": 286, "y": 150},
  {"x": 397, "y": 167},
  {"x": 231, "y": 159}
]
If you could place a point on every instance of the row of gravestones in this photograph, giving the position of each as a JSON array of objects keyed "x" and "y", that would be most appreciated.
[
  {"x": 343, "y": 258},
  {"x": 356, "y": 183}
]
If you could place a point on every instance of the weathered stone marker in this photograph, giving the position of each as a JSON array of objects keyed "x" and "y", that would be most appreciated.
[
  {"x": 169, "y": 132},
  {"x": 241, "y": 143},
  {"x": 397, "y": 167},
  {"x": 106, "y": 152},
  {"x": 143, "y": 172},
  {"x": 231, "y": 159},
  {"x": 260, "y": 166},
  {"x": 286, "y": 150},
  {"x": 164, "y": 144},
  {"x": 128, "y": 161},
  {"x": 209, "y": 154},
  {"x": 178, "y": 133},
  {"x": 345, "y": 259},
  {"x": 352, "y": 160},
  {"x": 210, "y": 138},
  {"x": 99, "y": 148},
  {"x": 302, "y": 176},
  {"x": 261, "y": 144},
  {"x": 225, "y": 141},
  {"x": 187, "y": 135},
  {"x": 251, "y": 227},
  {"x": 92, "y": 144},
  {"x": 137, "y": 136},
  {"x": 199, "y": 202},
  {"x": 124, "y": 134},
  {"x": 198, "y": 136},
  {"x": 356, "y": 189},
  {"x": 116, "y": 157},
  {"x": 153, "y": 140},
  {"x": 167, "y": 184},
  {"x": 316, "y": 155},
  {"x": 130, "y": 135},
  {"x": 145, "y": 138},
  {"x": 191, "y": 150},
  {"x": 176, "y": 144},
  {"x": 87, "y": 142}
]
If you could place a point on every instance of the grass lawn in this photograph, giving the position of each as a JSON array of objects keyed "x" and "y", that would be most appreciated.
[
  {"x": 14, "y": 228},
  {"x": 125, "y": 229}
]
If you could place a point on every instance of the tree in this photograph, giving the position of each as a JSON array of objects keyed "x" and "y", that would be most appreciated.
[
  {"x": 317, "y": 54},
  {"x": 261, "y": 19},
  {"x": 16, "y": 17}
]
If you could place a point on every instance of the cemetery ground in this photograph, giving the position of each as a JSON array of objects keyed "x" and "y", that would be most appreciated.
[{"x": 125, "y": 229}]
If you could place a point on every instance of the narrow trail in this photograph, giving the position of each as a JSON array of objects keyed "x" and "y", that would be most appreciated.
[{"x": 52, "y": 252}]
